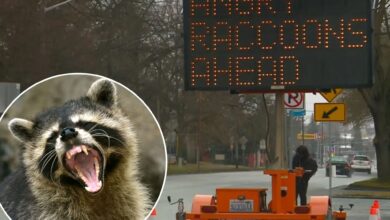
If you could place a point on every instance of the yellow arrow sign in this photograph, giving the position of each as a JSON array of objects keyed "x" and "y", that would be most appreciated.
[
  {"x": 332, "y": 94},
  {"x": 329, "y": 112}
]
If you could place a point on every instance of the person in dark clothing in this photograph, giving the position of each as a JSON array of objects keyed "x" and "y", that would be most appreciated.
[{"x": 303, "y": 159}]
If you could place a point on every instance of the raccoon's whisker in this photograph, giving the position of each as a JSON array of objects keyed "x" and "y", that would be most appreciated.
[
  {"x": 43, "y": 157},
  {"x": 47, "y": 154},
  {"x": 51, "y": 172},
  {"x": 106, "y": 135},
  {"x": 93, "y": 127},
  {"x": 47, "y": 161},
  {"x": 103, "y": 135},
  {"x": 99, "y": 130},
  {"x": 51, "y": 169},
  {"x": 120, "y": 141},
  {"x": 105, "y": 132}
]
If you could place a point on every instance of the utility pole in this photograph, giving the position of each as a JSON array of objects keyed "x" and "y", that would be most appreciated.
[
  {"x": 303, "y": 130},
  {"x": 198, "y": 134},
  {"x": 280, "y": 148},
  {"x": 322, "y": 144}
]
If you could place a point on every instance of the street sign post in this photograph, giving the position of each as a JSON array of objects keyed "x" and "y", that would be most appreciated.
[
  {"x": 328, "y": 112},
  {"x": 294, "y": 100},
  {"x": 331, "y": 94}
]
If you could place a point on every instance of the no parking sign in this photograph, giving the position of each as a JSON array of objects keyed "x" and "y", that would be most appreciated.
[{"x": 294, "y": 100}]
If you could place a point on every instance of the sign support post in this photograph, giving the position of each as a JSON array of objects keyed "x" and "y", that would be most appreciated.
[{"x": 303, "y": 130}]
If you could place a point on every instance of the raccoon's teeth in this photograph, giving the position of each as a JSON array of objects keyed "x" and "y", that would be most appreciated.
[
  {"x": 97, "y": 168},
  {"x": 80, "y": 174},
  {"x": 68, "y": 156},
  {"x": 84, "y": 148}
]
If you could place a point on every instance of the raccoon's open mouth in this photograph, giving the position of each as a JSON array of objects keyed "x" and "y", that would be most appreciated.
[{"x": 86, "y": 164}]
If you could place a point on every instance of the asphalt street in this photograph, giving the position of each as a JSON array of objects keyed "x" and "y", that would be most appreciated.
[{"x": 186, "y": 186}]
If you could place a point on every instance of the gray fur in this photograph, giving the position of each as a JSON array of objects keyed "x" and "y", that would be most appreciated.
[
  {"x": 28, "y": 194},
  {"x": 103, "y": 92},
  {"x": 21, "y": 129}
]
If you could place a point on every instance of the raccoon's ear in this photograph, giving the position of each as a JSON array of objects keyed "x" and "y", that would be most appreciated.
[
  {"x": 103, "y": 91},
  {"x": 21, "y": 129}
]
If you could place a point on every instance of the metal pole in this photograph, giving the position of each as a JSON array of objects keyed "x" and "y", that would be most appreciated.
[
  {"x": 243, "y": 155},
  {"x": 236, "y": 155},
  {"x": 178, "y": 153},
  {"x": 303, "y": 130},
  {"x": 280, "y": 147},
  {"x": 330, "y": 177},
  {"x": 322, "y": 144},
  {"x": 198, "y": 134},
  {"x": 287, "y": 139},
  {"x": 330, "y": 185}
]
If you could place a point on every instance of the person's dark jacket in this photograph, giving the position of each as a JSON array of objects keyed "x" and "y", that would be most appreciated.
[{"x": 308, "y": 164}]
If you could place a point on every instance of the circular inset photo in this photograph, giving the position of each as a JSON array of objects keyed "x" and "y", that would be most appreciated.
[{"x": 80, "y": 146}]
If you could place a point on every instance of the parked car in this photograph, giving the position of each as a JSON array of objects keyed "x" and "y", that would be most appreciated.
[
  {"x": 361, "y": 163},
  {"x": 343, "y": 167}
]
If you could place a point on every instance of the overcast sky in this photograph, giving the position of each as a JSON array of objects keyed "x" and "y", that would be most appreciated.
[{"x": 310, "y": 99}]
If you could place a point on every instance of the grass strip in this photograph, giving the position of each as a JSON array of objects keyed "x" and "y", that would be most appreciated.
[
  {"x": 371, "y": 184},
  {"x": 206, "y": 167}
]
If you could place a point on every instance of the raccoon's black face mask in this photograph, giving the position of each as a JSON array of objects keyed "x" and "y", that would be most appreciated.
[{"x": 79, "y": 142}]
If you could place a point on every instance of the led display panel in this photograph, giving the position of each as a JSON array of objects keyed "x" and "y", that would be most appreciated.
[{"x": 286, "y": 45}]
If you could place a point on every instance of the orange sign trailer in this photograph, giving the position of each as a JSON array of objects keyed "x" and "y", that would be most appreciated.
[{"x": 249, "y": 203}]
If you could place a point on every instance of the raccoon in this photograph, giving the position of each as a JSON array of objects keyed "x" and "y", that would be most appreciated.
[{"x": 79, "y": 162}]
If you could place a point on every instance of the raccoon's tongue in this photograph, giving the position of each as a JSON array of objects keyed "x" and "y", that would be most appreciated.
[
  {"x": 84, "y": 162},
  {"x": 87, "y": 168}
]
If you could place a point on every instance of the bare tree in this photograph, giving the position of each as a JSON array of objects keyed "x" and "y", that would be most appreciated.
[
  {"x": 377, "y": 97},
  {"x": 138, "y": 43}
]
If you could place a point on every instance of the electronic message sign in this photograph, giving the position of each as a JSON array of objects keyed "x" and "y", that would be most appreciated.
[{"x": 286, "y": 45}]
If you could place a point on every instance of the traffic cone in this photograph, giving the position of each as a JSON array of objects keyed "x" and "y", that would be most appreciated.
[
  {"x": 153, "y": 214},
  {"x": 373, "y": 214},
  {"x": 376, "y": 205}
]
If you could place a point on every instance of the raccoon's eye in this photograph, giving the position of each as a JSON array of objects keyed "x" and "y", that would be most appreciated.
[
  {"x": 104, "y": 135},
  {"x": 52, "y": 138},
  {"x": 86, "y": 125}
]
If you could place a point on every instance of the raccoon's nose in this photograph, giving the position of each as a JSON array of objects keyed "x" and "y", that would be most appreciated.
[{"x": 68, "y": 133}]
